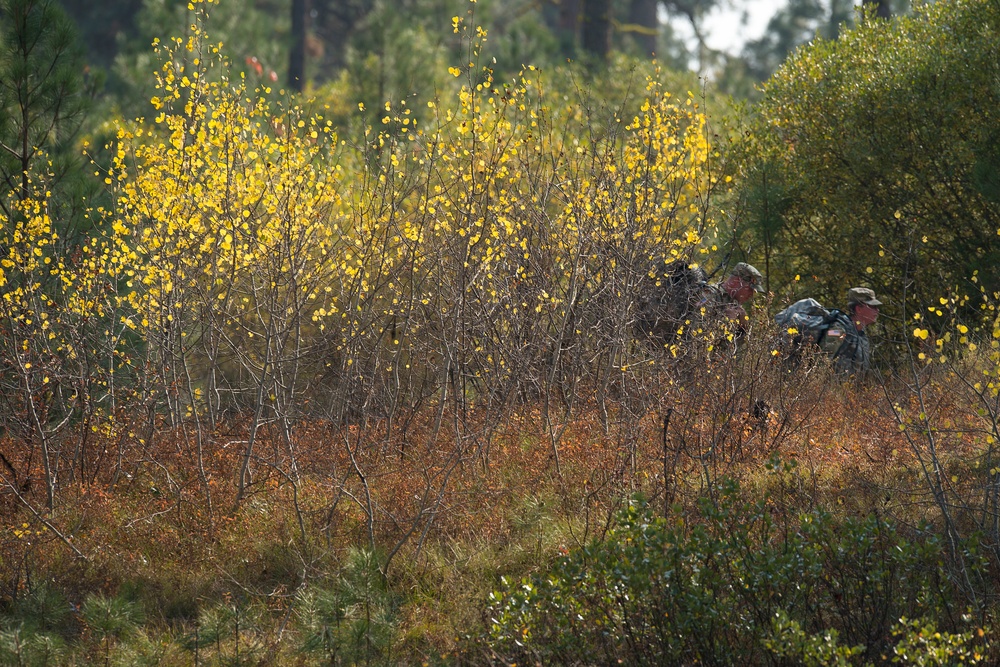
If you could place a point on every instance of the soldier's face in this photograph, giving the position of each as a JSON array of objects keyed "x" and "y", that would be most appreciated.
[
  {"x": 738, "y": 288},
  {"x": 865, "y": 315}
]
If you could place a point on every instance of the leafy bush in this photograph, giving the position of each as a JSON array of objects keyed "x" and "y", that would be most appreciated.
[
  {"x": 735, "y": 584},
  {"x": 874, "y": 157}
]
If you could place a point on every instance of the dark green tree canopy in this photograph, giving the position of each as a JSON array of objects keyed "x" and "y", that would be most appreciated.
[
  {"x": 42, "y": 79},
  {"x": 881, "y": 154}
]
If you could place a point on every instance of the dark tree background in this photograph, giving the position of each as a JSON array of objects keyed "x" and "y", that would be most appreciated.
[{"x": 314, "y": 41}]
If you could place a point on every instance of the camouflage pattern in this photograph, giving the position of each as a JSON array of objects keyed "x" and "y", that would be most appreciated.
[
  {"x": 862, "y": 295},
  {"x": 832, "y": 331},
  {"x": 675, "y": 301},
  {"x": 668, "y": 298},
  {"x": 853, "y": 354},
  {"x": 750, "y": 275},
  {"x": 716, "y": 305}
]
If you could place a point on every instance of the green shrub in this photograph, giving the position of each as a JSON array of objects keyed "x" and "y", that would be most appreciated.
[
  {"x": 790, "y": 641},
  {"x": 875, "y": 159},
  {"x": 110, "y": 618},
  {"x": 232, "y": 630},
  {"x": 922, "y": 645},
  {"x": 26, "y": 648},
  {"x": 708, "y": 590},
  {"x": 42, "y": 609}
]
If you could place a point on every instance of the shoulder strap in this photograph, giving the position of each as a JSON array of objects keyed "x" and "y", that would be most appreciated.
[{"x": 828, "y": 321}]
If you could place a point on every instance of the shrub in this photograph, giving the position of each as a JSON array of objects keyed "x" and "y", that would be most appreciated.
[
  {"x": 709, "y": 588},
  {"x": 874, "y": 157}
]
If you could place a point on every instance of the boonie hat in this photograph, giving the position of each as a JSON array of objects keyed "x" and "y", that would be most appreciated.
[
  {"x": 862, "y": 295},
  {"x": 749, "y": 274}
]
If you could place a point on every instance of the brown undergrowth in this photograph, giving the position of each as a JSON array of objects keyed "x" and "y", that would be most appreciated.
[{"x": 447, "y": 510}]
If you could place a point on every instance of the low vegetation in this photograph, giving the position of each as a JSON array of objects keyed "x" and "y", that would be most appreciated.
[{"x": 287, "y": 392}]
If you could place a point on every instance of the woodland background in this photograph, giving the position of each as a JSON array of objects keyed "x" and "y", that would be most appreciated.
[{"x": 318, "y": 343}]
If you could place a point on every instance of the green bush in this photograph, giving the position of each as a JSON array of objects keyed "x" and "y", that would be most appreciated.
[
  {"x": 24, "y": 647},
  {"x": 353, "y": 621},
  {"x": 873, "y": 158},
  {"x": 110, "y": 618},
  {"x": 739, "y": 583}
]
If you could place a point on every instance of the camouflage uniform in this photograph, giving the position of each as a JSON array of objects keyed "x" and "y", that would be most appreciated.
[
  {"x": 667, "y": 299},
  {"x": 833, "y": 331},
  {"x": 718, "y": 305},
  {"x": 677, "y": 298}
]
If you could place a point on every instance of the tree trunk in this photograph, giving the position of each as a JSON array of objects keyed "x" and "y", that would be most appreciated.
[
  {"x": 333, "y": 22},
  {"x": 297, "y": 54},
  {"x": 644, "y": 25},
  {"x": 596, "y": 28},
  {"x": 563, "y": 18},
  {"x": 882, "y": 10}
]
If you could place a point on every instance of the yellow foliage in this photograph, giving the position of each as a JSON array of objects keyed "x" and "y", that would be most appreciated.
[{"x": 254, "y": 232}]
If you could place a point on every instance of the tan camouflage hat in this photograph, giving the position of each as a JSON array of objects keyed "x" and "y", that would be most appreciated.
[
  {"x": 862, "y": 295},
  {"x": 749, "y": 274}
]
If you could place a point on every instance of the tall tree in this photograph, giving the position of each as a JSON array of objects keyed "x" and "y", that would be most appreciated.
[
  {"x": 568, "y": 25},
  {"x": 644, "y": 25},
  {"x": 881, "y": 150},
  {"x": 41, "y": 87},
  {"x": 695, "y": 12},
  {"x": 881, "y": 7},
  {"x": 335, "y": 22},
  {"x": 792, "y": 26},
  {"x": 596, "y": 29},
  {"x": 101, "y": 23},
  {"x": 297, "y": 53}
]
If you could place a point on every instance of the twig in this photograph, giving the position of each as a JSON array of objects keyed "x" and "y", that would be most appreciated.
[{"x": 45, "y": 522}]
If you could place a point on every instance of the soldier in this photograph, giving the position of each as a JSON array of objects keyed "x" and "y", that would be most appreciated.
[
  {"x": 675, "y": 296},
  {"x": 838, "y": 333},
  {"x": 667, "y": 296},
  {"x": 726, "y": 298}
]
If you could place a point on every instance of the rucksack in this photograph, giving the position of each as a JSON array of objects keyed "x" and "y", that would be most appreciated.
[
  {"x": 828, "y": 329},
  {"x": 667, "y": 296}
]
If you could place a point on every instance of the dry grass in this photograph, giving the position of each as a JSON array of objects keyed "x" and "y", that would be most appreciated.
[{"x": 449, "y": 514}]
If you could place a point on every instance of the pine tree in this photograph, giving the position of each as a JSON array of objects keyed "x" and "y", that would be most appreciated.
[{"x": 42, "y": 82}]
